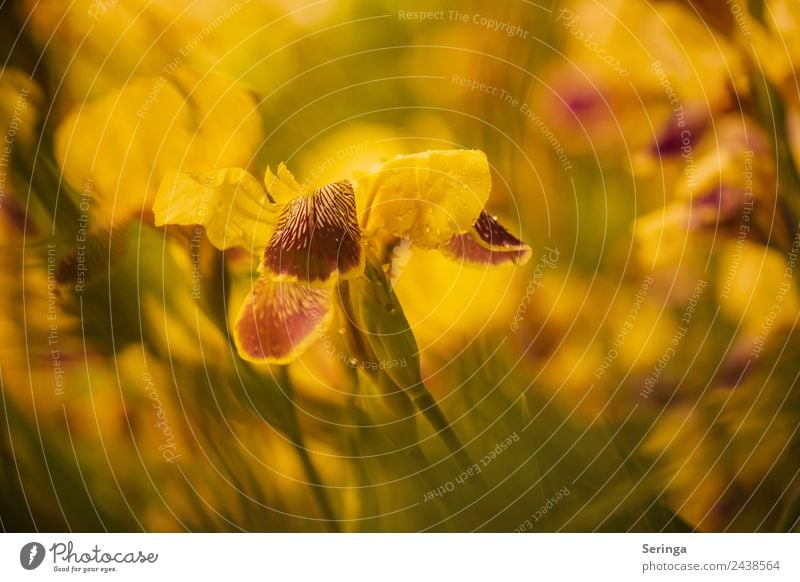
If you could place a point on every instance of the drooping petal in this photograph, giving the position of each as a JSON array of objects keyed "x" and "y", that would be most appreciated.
[
  {"x": 280, "y": 319},
  {"x": 427, "y": 197},
  {"x": 229, "y": 203},
  {"x": 488, "y": 243},
  {"x": 281, "y": 187},
  {"x": 317, "y": 236}
]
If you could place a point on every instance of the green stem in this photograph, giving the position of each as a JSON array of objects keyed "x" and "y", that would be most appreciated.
[
  {"x": 789, "y": 521},
  {"x": 773, "y": 117},
  {"x": 425, "y": 403},
  {"x": 317, "y": 488},
  {"x": 313, "y": 476}
]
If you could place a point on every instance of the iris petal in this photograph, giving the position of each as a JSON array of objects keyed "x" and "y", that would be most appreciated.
[
  {"x": 281, "y": 187},
  {"x": 229, "y": 203},
  {"x": 280, "y": 319},
  {"x": 488, "y": 243},
  {"x": 427, "y": 197},
  {"x": 317, "y": 236}
]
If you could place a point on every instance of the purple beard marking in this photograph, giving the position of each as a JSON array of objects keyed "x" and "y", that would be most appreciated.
[{"x": 316, "y": 236}]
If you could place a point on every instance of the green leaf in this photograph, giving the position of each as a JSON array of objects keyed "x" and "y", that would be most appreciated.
[{"x": 381, "y": 331}]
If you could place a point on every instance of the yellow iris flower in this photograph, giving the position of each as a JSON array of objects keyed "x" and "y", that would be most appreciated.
[{"x": 314, "y": 238}]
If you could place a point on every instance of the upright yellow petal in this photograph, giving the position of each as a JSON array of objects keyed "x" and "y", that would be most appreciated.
[
  {"x": 427, "y": 197},
  {"x": 282, "y": 186}
]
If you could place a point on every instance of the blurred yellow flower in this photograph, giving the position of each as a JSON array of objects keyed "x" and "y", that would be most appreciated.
[
  {"x": 629, "y": 71},
  {"x": 102, "y": 45},
  {"x": 121, "y": 146},
  {"x": 20, "y": 103},
  {"x": 756, "y": 289},
  {"x": 775, "y": 43}
]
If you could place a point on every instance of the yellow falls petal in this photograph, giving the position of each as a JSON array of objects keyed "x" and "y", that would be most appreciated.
[
  {"x": 427, "y": 197},
  {"x": 230, "y": 204}
]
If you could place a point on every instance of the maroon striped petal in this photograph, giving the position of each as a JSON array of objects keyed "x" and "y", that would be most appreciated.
[
  {"x": 487, "y": 243},
  {"x": 279, "y": 320},
  {"x": 317, "y": 236}
]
